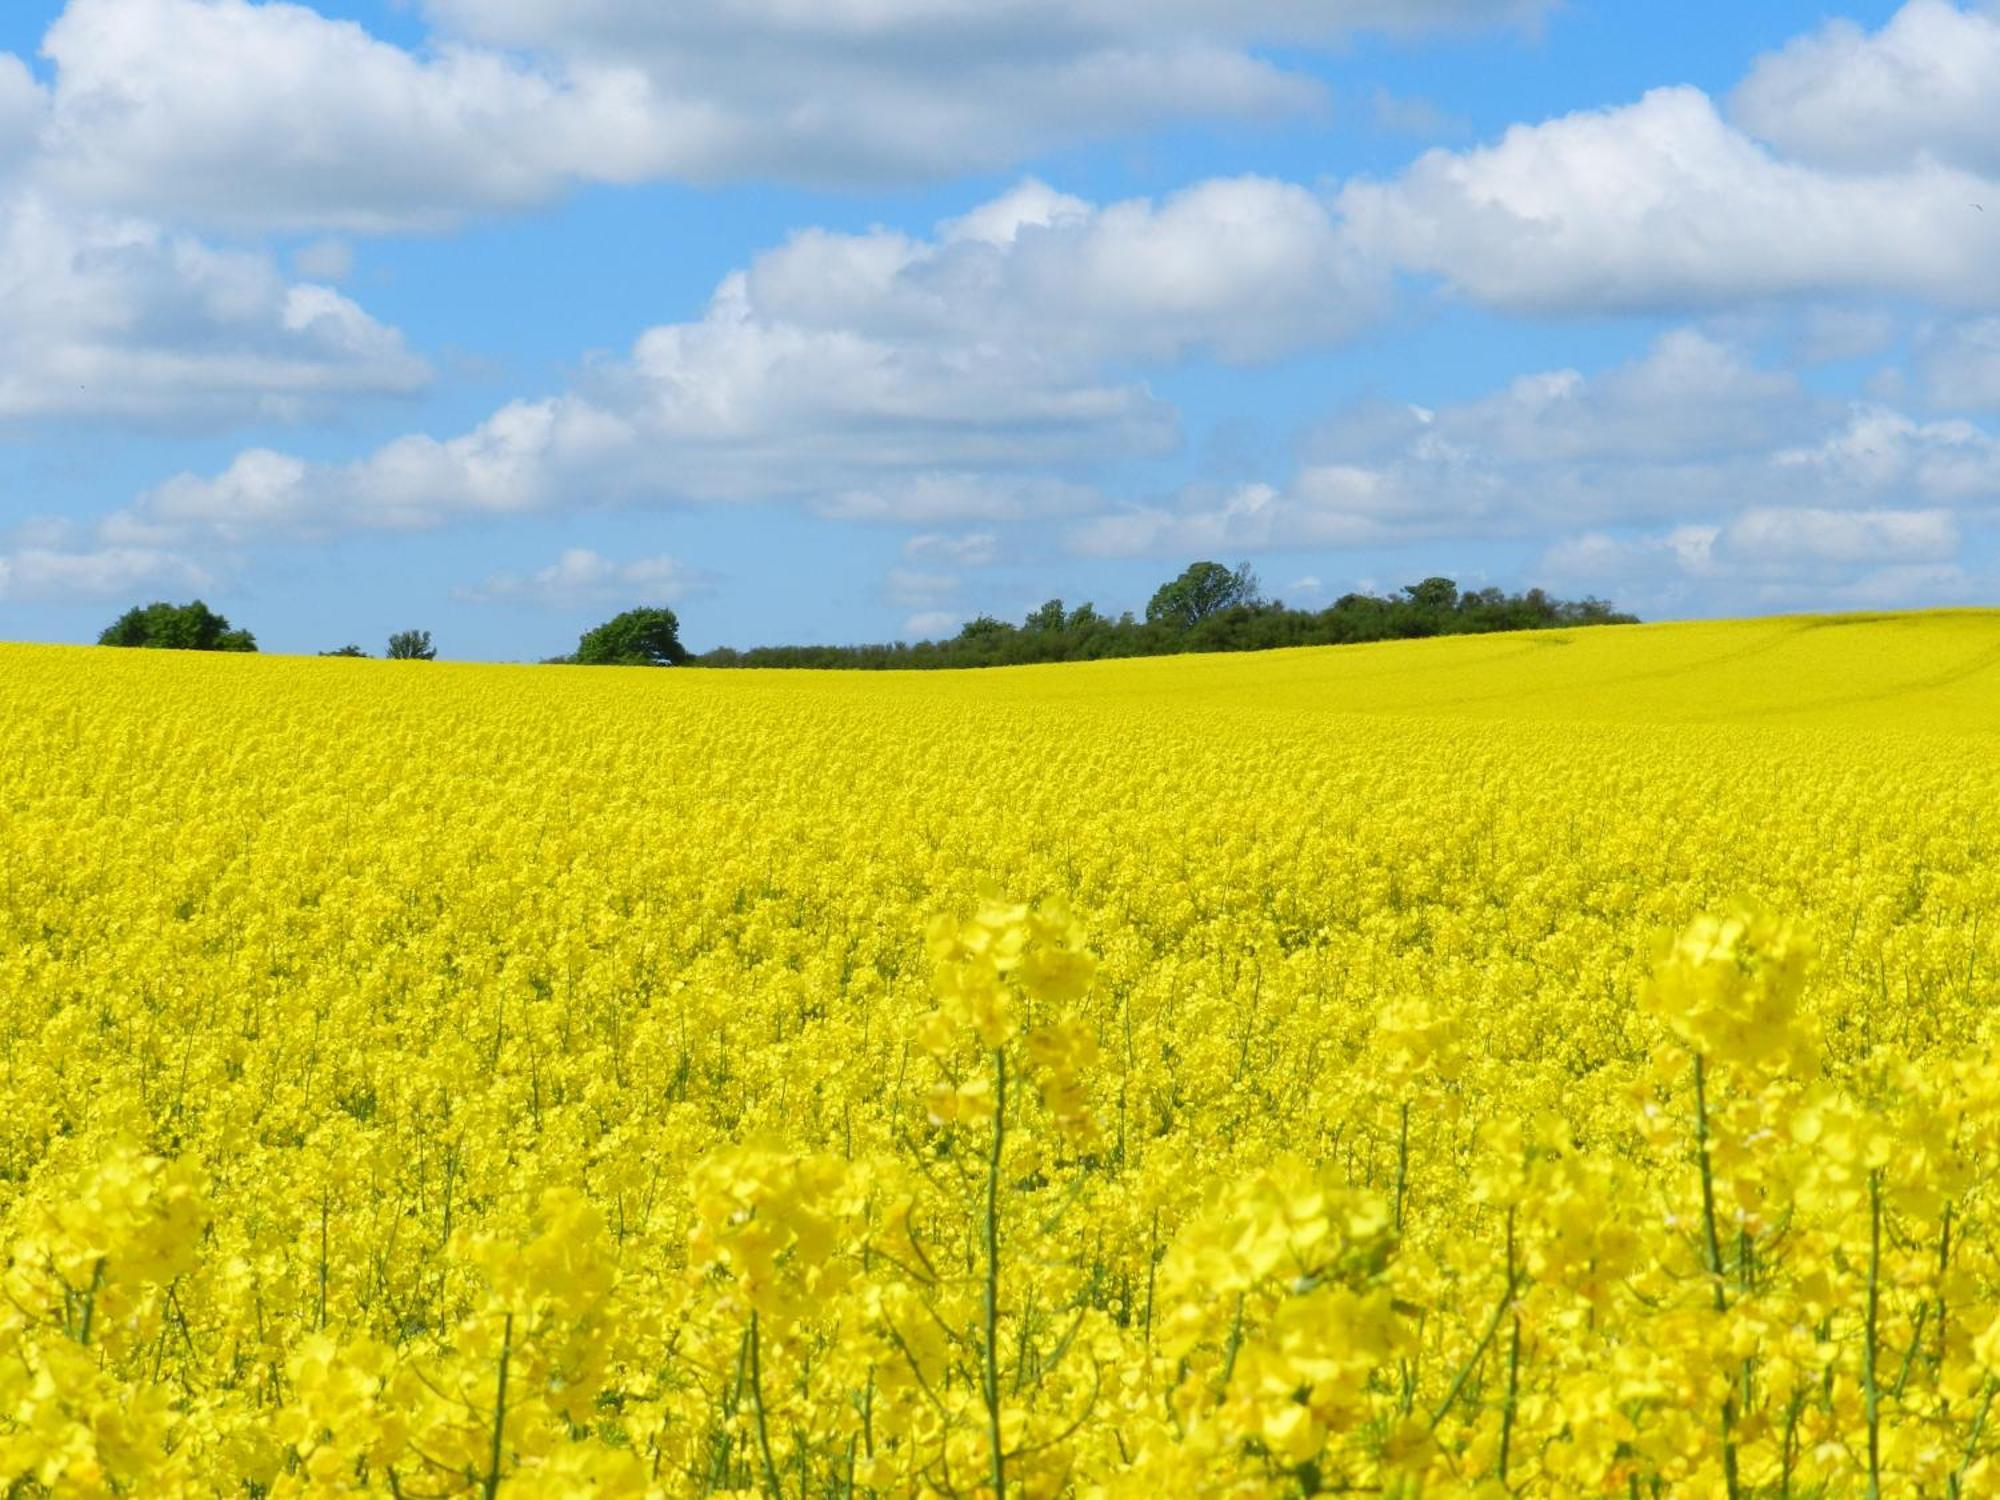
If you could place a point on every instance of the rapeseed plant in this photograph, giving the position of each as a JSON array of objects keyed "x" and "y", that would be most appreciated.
[{"x": 1455, "y": 1068}]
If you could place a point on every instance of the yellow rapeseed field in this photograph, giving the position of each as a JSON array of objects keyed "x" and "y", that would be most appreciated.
[{"x": 1556, "y": 1064}]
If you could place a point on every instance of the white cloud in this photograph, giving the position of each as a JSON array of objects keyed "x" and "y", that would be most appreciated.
[
  {"x": 1689, "y": 428},
  {"x": 1772, "y": 557},
  {"x": 1922, "y": 88},
  {"x": 1878, "y": 452},
  {"x": 23, "y": 107},
  {"x": 1688, "y": 396},
  {"x": 1662, "y": 204},
  {"x": 931, "y": 624},
  {"x": 582, "y": 577},
  {"x": 1244, "y": 268},
  {"x": 1778, "y": 536},
  {"x": 326, "y": 259},
  {"x": 1413, "y": 116},
  {"x": 1960, "y": 365},
  {"x": 107, "y": 315},
  {"x": 189, "y": 107},
  {"x": 972, "y": 549},
  {"x": 42, "y": 573},
  {"x": 870, "y": 377},
  {"x": 913, "y": 590}
]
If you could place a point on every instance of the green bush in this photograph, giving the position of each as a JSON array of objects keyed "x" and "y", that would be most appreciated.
[{"x": 176, "y": 627}]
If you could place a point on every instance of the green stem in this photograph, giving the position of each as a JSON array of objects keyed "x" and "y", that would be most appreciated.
[
  {"x": 757, "y": 1405},
  {"x": 1485, "y": 1339},
  {"x": 1871, "y": 1394},
  {"x": 1712, "y": 1246},
  {"x": 1402, "y": 1165},
  {"x": 991, "y": 1309},
  {"x": 1972, "y": 1443},
  {"x": 491, "y": 1486}
]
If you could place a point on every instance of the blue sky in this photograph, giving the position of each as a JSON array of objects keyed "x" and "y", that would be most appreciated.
[{"x": 847, "y": 322}]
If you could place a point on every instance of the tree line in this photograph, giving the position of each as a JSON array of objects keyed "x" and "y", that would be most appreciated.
[{"x": 1206, "y": 608}]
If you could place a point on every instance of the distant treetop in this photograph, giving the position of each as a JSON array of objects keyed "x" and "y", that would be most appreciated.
[
  {"x": 637, "y": 638},
  {"x": 176, "y": 627}
]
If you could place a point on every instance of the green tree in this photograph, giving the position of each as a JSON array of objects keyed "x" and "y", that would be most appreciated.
[
  {"x": 1205, "y": 589},
  {"x": 1433, "y": 593},
  {"x": 176, "y": 627},
  {"x": 1083, "y": 617},
  {"x": 411, "y": 645},
  {"x": 983, "y": 627},
  {"x": 637, "y": 638},
  {"x": 1049, "y": 617},
  {"x": 349, "y": 650}
]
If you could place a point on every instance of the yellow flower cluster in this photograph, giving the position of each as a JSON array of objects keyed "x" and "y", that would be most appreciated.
[{"x": 1552, "y": 1065}]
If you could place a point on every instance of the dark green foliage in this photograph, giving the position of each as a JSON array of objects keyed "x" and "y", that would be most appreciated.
[
  {"x": 411, "y": 645},
  {"x": 1203, "y": 591},
  {"x": 984, "y": 628},
  {"x": 345, "y": 651},
  {"x": 1433, "y": 593},
  {"x": 637, "y": 638},
  {"x": 1188, "y": 620},
  {"x": 176, "y": 627},
  {"x": 1049, "y": 617}
]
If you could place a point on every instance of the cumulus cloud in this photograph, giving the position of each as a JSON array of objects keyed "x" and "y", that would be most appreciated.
[
  {"x": 35, "y": 574},
  {"x": 582, "y": 577},
  {"x": 23, "y": 107},
  {"x": 1243, "y": 268},
  {"x": 1878, "y": 451},
  {"x": 1921, "y": 88},
  {"x": 1774, "y": 557},
  {"x": 189, "y": 106},
  {"x": 873, "y": 376},
  {"x": 108, "y": 315},
  {"x": 1662, "y": 205},
  {"x": 189, "y": 109},
  {"x": 1689, "y": 428}
]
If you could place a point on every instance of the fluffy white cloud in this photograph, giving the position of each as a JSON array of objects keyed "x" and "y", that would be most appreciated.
[
  {"x": 189, "y": 107},
  {"x": 582, "y": 577},
  {"x": 36, "y": 574},
  {"x": 1921, "y": 88},
  {"x": 890, "y": 26},
  {"x": 108, "y": 315},
  {"x": 1690, "y": 428},
  {"x": 1688, "y": 397},
  {"x": 872, "y": 376},
  {"x": 23, "y": 106},
  {"x": 1879, "y": 452},
  {"x": 1662, "y": 204},
  {"x": 1772, "y": 558},
  {"x": 1244, "y": 268}
]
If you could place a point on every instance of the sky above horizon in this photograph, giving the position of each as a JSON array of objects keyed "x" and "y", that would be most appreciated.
[{"x": 847, "y": 320}]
